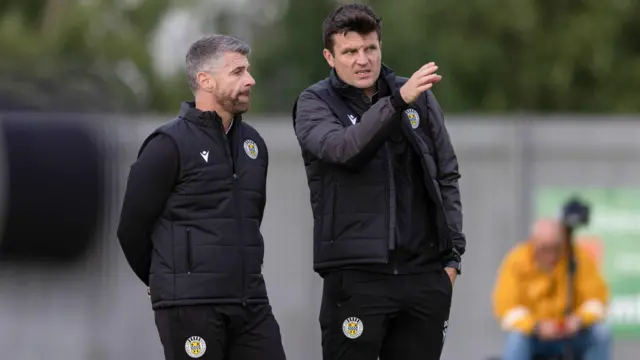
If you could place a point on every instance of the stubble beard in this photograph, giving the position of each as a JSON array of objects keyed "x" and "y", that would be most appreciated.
[{"x": 231, "y": 105}]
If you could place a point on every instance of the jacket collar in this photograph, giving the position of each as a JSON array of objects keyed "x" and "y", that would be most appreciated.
[{"x": 208, "y": 119}]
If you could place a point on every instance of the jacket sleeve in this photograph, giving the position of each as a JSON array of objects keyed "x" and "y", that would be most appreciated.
[
  {"x": 321, "y": 133},
  {"x": 591, "y": 290},
  {"x": 151, "y": 180},
  {"x": 507, "y": 307},
  {"x": 448, "y": 174}
]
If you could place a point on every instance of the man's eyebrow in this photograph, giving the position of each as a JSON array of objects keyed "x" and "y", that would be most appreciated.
[{"x": 235, "y": 68}]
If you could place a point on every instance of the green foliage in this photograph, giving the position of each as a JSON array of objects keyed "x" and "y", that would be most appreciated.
[
  {"x": 494, "y": 55},
  {"x": 62, "y": 50},
  {"x": 288, "y": 57}
]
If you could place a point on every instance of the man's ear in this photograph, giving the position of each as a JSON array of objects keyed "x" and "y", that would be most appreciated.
[
  {"x": 328, "y": 56},
  {"x": 206, "y": 81}
]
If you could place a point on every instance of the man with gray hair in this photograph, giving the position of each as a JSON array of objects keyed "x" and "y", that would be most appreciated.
[{"x": 190, "y": 221}]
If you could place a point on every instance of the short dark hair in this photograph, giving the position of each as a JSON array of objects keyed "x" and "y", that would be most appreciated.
[{"x": 351, "y": 17}]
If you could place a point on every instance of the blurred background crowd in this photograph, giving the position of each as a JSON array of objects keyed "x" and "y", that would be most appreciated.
[{"x": 542, "y": 100}]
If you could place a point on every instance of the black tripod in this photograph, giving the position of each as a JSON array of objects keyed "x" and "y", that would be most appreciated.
[
  {"x": 575, "y": 214},
  {"x": 571, "y": 271}
]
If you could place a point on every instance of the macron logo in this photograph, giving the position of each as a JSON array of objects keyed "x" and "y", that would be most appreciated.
[
  {"x": 205, "y": 155},
  {"x": 353, "y": 119}
]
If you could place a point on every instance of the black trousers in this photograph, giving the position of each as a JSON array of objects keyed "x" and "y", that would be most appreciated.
[
  {"x": 366, "y": 315},
  {"x": 219, "y": 332}
]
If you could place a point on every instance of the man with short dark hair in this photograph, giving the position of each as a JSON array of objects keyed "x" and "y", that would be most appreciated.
[
  {"x": 383, "y": 178},
  {"x": 190, "y": 222}
]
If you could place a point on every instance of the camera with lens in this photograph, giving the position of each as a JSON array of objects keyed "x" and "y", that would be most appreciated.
[{"x": 575, "y": 213}]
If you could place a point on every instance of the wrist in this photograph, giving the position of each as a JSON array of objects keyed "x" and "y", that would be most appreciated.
[
  {"x": 454, "y": 265},
  {"x": 453, "y": 260},
  {"x": 397, "y": 101}
]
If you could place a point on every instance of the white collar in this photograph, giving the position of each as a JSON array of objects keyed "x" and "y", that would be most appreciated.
[{"x": 229, "y": 128}]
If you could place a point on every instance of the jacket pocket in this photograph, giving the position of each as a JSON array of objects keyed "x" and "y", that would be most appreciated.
[
  {"x": 319, "y": 233},
  {"x": 339, "y": 292},
  {"x": 334, "y": 208},
  {"x": 188, "y": 251}
]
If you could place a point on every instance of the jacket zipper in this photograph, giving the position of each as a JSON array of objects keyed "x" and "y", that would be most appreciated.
[
  {"x": 227, "y": 148},
  {"x": 189, "y": 266},
  {"x": 392, "y": 206},
  {"x": 238, "y": 213},
  {"x": 241, "y": 237}
]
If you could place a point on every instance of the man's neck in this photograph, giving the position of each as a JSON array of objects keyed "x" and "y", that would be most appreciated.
[
  {"x": 226, "y": 117},
  {"x": 370, "y": 92}
]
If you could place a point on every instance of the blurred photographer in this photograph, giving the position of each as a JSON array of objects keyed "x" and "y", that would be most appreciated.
[{"x": 532, "y": 292}]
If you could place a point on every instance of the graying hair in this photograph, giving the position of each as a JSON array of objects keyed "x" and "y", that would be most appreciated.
[{"x": 203, "y": 54}]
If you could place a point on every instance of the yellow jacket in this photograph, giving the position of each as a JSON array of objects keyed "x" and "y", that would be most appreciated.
[{"x": 524, "y": 294}]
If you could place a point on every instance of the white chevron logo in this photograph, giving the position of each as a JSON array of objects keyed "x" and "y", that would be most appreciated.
[{"x": 205, "y": 155}]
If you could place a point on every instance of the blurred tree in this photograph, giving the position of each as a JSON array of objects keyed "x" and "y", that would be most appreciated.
[
  {"x": 67, "y": 49},
  {"x": 494, "y": 55},
  {"x": 288, "y": 57}
]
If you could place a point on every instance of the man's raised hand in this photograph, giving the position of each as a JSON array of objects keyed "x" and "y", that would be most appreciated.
[{"x": 421, "y": 81}]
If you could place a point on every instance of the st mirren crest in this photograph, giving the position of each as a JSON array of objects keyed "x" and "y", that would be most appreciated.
[
  {"x": 414, "y": 118},
  {"x": 352, "y": 327},
  {"x": 195, "y": 347},
  {"x": 251, "y": 149}
]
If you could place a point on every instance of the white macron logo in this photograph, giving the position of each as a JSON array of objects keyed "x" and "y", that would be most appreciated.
[
  {"x": 352, "y": 118},
  {"x": 205, "y": 155}
]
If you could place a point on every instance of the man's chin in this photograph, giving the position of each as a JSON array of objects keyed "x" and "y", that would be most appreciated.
[
  {"x": 240, "y": 109},
  {"x": 364, "y": 84}
]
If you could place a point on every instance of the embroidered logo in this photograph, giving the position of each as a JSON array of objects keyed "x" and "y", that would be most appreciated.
[
  {"x": 414, "y": 118},
  {"x": 352, "y": 327},
  {"x": 251, "y": 149},
  {"x": 195, "y": 347},
  {"x": 205, "y": 155}
]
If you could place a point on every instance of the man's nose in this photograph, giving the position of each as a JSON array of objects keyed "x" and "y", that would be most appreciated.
[
  {"x": 250, "y": 80},
  {"x": 362, "y": 58}
]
